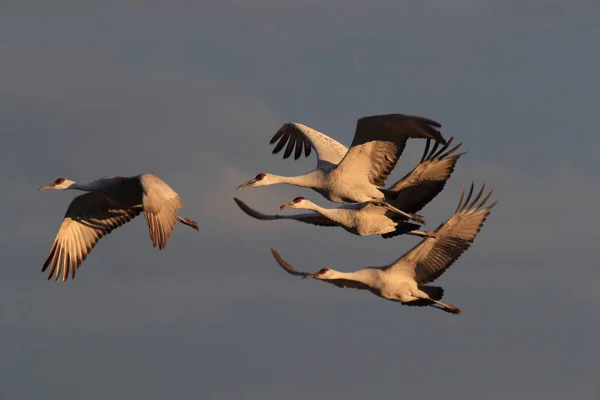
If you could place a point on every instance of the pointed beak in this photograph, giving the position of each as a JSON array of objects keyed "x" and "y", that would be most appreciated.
[
  {"x": 246, "y": 184},
  {"x": 286, "y": 205},
  {"x": 46, "y": 187}
]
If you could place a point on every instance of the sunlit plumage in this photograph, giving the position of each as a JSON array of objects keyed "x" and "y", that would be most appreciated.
[
  {"x": 406, "y": 279},
  {"x": 356, "y": 174},
  {"x": 414, "y": 191},
  {"x": 111, "y": 202}
]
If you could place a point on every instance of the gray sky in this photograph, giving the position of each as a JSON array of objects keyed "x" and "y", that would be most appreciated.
[{"x": 192, "y": 92}]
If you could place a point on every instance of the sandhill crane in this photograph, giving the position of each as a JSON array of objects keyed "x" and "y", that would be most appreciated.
[
  {"x": 405, "y": 280},
  {"x": 357, "y": 174},
  {"x": 415, "y": 191},
  {"x": 360, "y": 219},
  {"x": 111, "y": 202}
]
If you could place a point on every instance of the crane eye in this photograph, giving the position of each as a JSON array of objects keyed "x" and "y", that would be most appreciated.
[{"x": 298, "y": 199}]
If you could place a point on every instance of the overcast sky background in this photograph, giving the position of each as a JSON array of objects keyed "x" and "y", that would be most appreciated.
[{"x": 192, "y": 92}]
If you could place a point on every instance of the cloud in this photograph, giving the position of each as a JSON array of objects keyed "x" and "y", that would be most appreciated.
[{"x": 193, "y": 94}]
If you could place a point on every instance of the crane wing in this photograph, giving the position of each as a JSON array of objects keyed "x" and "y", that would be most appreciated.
[
  {"x": 342, "y": 283},
  {"x": 428, "y": 260},
  {"x": 299, "y": 137},
  {"x": 379, "y": 141},
  {"x": 309, "y": 218},
  {"x": 161, "y": 204},
  {"x": 427, "y": 179},
  {"x": 88, "y": 218}
]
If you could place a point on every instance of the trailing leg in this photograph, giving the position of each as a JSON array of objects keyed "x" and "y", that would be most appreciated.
[
  {"x": 188, "y": 222},
  {"x": 412, "y": 217},
  {"x": 430, "y": 234}
]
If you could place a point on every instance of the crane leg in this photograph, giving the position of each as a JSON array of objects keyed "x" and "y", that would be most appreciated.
[
  {"x": 447, "y": 307},
  {"x": 188, "y": 222},
  {"x": 412, "y": 217},
  {"x": 422, "y": 233},
  {"x": 420, "y": 295}
]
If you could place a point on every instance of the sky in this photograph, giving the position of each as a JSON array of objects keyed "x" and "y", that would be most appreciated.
[{"x": 192, "y": 92}]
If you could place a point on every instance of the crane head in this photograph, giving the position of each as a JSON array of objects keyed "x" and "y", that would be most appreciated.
[
  {"x": 59, "y": 184},
  {"x": 258, "y": 180},
  {"x": 298, "y": 202}
]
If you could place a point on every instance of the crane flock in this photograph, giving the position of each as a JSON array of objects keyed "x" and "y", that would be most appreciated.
[{"x": 354, "y": 178}]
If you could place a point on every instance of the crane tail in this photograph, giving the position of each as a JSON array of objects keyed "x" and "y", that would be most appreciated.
[{"x": 188, "y": 222}]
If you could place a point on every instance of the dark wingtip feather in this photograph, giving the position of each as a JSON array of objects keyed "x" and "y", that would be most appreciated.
[
  {"x": 485, "y": 199},
  {"x": 466, "y": 204},
  {"x": 449, "y": 152},
  {"x": 279, "y": 133},
  {"x": 283, "y": 264},
  {"x": 296, "y": 141},
  {"x": 299, "y": 145},
  {"x": 426, "y": 151},
  {"x": 282, "y": 142},
  {"x": 476, "y": 199},
  {"x": 462, "y": 195},
  {"x": 438, "y": 154},
  {"x": 468, "y": 198},
  {"x": 290, "y": 146},
  {"x": 307, "y": 147}
]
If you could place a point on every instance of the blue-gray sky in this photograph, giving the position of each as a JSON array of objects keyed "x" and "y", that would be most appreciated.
[{"x": 192, "y": 92}]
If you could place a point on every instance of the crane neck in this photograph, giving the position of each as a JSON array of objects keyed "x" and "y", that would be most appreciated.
[
  {"x": 368, "y": 276},
  {"x": 86, "y": 186},
  {"x": 311, "y": 180},
  {"x": 78, "y": 186},
  {"x": 333, "y": 214}
]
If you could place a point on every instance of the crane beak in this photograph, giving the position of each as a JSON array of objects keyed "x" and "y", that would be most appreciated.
[
  {"x": 286, "y": 205},
  {"x": 47, "y": 187},
  {"x": 246, "y": 184}
]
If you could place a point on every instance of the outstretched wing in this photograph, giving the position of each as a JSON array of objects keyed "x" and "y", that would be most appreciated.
[
  {"x": 342, "y": 283},
  {"x": 161, "y": 205},
  {"x": 427, "y": 179},
  {"x": 428, "y": 260},
  {"x": 379, "y": 141},
  {"x": 299, "y": 137},
  {"x": 309, "y": 218},
  {"x": 88, "y": 218}
]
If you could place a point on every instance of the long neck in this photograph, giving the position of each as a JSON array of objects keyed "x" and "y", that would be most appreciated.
[
  {"x": 86, "y": 187},
  {"x": 333, "y": 214},
  {"x": 77, "y": 186},
  {"x": 311, "y": 180},
  {"x": 368, "y": 276}
]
